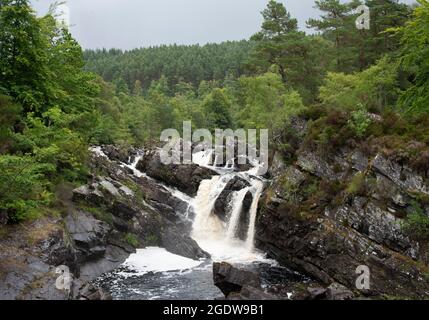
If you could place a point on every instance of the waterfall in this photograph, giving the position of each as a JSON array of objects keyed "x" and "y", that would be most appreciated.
[
  {"x": 220, "y": 238},
  {"x": 203, "y": 158},
  {"x": 213, "y": 235},
  {"x": 237, "y": 207},
  {"x": 259, "y": 187},
  {"x": 206, "y": 225}
]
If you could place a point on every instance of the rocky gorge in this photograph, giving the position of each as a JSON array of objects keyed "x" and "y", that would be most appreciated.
[{"x": 304, "y": 228}]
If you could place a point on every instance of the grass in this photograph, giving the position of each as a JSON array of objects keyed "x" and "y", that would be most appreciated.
[
  {"x": 152, "y": 240},
  {"x": 417, "y": 223},
  {"x": 98, "y": 213},
  {"x": 132, "y": 240},
  {"x": 356, "y": 185}
]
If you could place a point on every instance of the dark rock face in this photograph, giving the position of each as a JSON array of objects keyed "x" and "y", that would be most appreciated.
[
  {"x": 89, "y": 292},
  {"x": 175, "y": 242},
  {"x": 251, "y": 293},
  {"x": 88, "y": 234},
  {"x": 3, "y": 217},
  {"x": 106, "y": 218},
  {"x": 186, "y": 178},
  {"x": 335, "y": 291},
  {"x": 230, "y": 279},
  {"x": 116, "y": 154},
  {"x": 329, "y": 234},
  {"x": 223, "y": 201},
  {"x": 243, "y": 226}
]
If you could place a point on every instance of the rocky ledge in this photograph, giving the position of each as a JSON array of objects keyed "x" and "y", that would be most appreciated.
[
  {"x": 101, "y": 224},
  {"x": 327, "y": 214}
]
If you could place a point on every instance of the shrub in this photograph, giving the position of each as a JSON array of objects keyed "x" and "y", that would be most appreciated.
[
  {"x": 417, "y": 223},
  {"x": 357, "y": 184},
  {"x": 359, "y": 121},
  {"x": 132, "y": 240},
  {"x": 23, "y": 187}
]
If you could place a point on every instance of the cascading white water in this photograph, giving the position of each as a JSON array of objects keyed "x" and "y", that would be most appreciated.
[
  {"x": 213, "y": 235},
  {"x": 206, "y": 225},
  {"x": 237, "y": 207},
  {"x": 258, "y": 187},
  {"x": 203, "y": 158},
  {"x": 219, "y": 238}
]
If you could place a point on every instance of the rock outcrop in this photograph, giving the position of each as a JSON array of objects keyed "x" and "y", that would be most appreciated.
[
  {"x": 222, "y": 202},
  {"x": 104, "y": 221},
  {"x": 186, "y": 178},
  {"x": 327, "y": 214},
  {"x": 230, "y": 279}
]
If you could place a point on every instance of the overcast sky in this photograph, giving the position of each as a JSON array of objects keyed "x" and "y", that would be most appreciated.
[{"x": 128, "y": 24}]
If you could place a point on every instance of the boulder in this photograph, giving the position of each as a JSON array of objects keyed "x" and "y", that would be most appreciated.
[
  {"x": 337, "y": 291},
  {"x": 230, "y": 279},
  {"x": 88, "y": 193},
  {"x": 401, "y": 175},
  {"x": 186, "y": 178},
  {"x": 316, "y": 293},
  {"x": 251, "y": 293},
  {"x": 88, "y": 234},
  {"x": 222, "y": 202},
  {"x": 116, "y": 154},
  {"x": 174, "y": 241},
  {"x": 243, "y": 226},
  {"x": 90, "y": 292}
]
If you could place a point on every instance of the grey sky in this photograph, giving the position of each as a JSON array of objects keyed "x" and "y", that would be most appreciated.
[{"x": 130, "y": 24}]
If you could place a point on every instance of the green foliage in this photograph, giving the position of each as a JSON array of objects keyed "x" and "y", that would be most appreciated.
[
  {"x": 373, "y": 88},
  {"x": 132, "y": 240},
  {"x": 417, "y": 223},
  {"x": 264, "y": 103},
  {"x": 152, "y": 240},
  {"x": 300, "y": 60},
  {"x": 355, "y": 49},
  {"x": 415, "y": 59},
  {"x": 23, "y": 186},
  {"x": 359, "y": 121},
  {"x": 178, "y": 63},
  {"x": 217, "y": 109},
  {"x": 357, "y": 184}
]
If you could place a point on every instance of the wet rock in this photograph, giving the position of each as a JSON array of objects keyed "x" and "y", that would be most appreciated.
[
  {"x": 402, "y": 176},
  {"x": 88, "y": 193},
  {"x": 251, "y": 293},
  {"x": 186, "y": 178},
  {"x": 230, "y": 279},
  {"x": 337, "y": 291},
  {"x": 89, "y": 292},
  {"x": 123, "y": 210},
  {"x": 116, "y": 154},
  {"x": 330, "y": 248},
  {"x": 243, "y": 226},
  {"x": 222, "y": 202},
  {"x": 88, "y": 234},
  {"x": 174, "y": 241},
  {"x": 316, "y": 293}
]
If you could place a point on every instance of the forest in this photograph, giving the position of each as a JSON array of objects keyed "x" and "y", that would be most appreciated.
[{"x": 367, "y": 86}]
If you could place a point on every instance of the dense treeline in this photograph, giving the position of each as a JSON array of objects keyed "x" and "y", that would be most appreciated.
[
  {"x": 57, "y": 100},
  {"x": 178, "y": 63}
]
